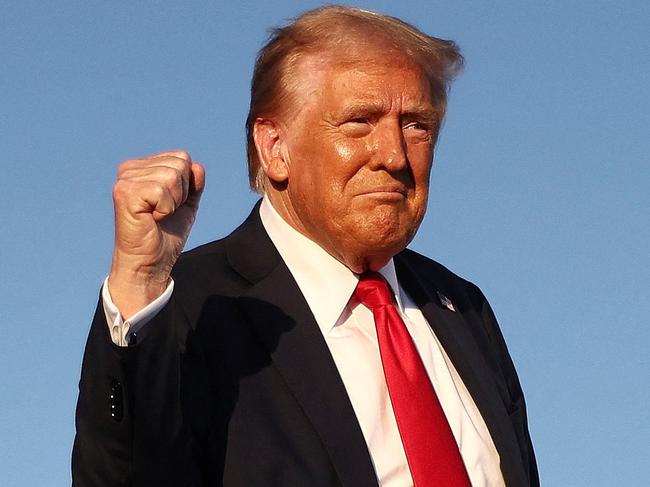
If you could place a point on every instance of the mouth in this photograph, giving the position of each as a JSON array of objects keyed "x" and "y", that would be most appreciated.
[{"x": 386, "y": 191}]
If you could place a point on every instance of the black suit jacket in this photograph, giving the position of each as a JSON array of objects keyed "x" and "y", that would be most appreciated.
[{"x": 233, "y": 383}]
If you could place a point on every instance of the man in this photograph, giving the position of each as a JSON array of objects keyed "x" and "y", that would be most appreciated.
[{"x": 309, "y": 347}]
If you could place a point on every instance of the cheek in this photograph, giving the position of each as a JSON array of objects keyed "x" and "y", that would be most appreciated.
[
  {"x": 421, "y": 161},
  {"x": 346, "y": 160},
  {"x": 344, "y": 151}
]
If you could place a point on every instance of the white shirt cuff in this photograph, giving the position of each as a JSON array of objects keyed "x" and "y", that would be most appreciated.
[{"x": 120, "y": 329}]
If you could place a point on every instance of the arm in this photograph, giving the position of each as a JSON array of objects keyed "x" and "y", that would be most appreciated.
[
  {"x": 140, "y": 436},
  {"x": 125, "y": 332},
  {"x": 130, "y": 408},
  {"x": 517, "y": 410}
]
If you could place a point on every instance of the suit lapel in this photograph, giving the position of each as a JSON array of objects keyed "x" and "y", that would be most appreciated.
[
  {"x": 284, "y": 323},
  {"x": 452, "y": 330}
]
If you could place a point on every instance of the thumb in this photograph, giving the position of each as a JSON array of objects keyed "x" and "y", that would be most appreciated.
[{"x": 197, "y": 184}]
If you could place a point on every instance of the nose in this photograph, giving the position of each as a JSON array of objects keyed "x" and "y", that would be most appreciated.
[{"x": 391, "y": 149}]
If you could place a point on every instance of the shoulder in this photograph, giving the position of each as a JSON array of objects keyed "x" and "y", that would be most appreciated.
[
  {"x": 436, "y": 277},
  {"x": 223, "y": 266},
  {"x": 200, "y": 264}
]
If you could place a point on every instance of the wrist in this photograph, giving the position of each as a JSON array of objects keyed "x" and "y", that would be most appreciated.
[{"x": 135, "y": 286}]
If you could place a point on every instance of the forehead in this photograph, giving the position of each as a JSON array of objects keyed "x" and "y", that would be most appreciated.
[{"x": 371, "y": 76}]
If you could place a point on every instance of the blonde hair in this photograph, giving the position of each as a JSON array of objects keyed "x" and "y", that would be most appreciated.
[{"x": 334, "y": 27}]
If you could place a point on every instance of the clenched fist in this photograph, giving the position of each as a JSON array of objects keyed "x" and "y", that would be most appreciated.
[{"x": 155, "y": 199}]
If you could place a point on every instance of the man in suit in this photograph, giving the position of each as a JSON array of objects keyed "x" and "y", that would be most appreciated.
[{"x": 309, "y": 347}]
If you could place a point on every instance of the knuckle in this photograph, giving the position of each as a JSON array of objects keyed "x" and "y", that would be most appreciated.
[
  {"x": 120, "y": 190},
  {"x": 130, "y": 165},
  {"x": 182, "y": 154},
  {"x": 123, "y": 167},
  {"x": 171, "y": 176},
  {"x": 158, "y": 191},
  {"x": 183, "y": 166}
]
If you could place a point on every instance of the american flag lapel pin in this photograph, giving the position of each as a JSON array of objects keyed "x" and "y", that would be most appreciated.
[{"x": 446, "y": 302}]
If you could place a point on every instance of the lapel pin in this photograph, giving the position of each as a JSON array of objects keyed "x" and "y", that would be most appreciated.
[{"x": 446, "y": 302}]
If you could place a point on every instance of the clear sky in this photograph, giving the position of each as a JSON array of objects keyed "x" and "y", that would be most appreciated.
[{"x": 540, "y": 195}]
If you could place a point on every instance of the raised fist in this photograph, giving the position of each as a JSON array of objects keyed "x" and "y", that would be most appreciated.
[{"x": 155, "y": 200}]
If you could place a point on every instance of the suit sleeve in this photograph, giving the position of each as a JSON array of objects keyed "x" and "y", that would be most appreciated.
[
  {"x": 130, "y": 421},
  {"x": 517, "y": 409}
]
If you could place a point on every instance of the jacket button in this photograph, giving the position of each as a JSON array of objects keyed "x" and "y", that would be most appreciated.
[{"x": 116, "y": 404}]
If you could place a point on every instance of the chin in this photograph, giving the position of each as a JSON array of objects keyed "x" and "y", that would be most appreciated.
[
  {"x": 383, "y": 243},
  {"x": 386, "y": 230},
  {"x": 365, "y": 251}
]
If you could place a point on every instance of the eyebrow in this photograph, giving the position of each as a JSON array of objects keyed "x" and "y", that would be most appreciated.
[
  {"x": 370, "y": 108},
  {"x": 428, "y": 114}
]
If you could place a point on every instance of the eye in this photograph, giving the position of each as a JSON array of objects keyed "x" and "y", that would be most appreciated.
[
  {"x": 417, "y": 126},
  {"x": 418, "y": 131},
  {"x": 357, "y": 127},
  {"x": 361, "y": 120}
]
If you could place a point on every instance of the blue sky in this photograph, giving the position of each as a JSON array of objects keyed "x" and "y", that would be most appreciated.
[{"x": 540, "y": 195}]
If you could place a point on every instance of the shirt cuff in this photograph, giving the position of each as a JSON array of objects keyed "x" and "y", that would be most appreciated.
[{"x": 121, "y": 330}]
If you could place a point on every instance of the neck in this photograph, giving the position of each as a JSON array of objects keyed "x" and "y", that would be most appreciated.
[{"x": 358, "y": 261}]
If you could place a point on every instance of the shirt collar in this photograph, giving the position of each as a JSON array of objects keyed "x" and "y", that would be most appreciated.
[{"x": 325, "y": 283}]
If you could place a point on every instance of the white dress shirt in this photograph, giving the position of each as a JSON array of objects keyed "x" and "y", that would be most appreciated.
[{"x": 349, "y": 331}]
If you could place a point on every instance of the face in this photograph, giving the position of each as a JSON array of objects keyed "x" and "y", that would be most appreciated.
[{"x": 357, "y": 156}]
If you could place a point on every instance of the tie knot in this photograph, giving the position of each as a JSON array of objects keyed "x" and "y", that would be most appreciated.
[{"x": 373, "y": 291}]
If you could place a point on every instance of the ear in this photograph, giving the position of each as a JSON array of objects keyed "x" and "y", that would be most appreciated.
[{"x": 271, "y": 149}]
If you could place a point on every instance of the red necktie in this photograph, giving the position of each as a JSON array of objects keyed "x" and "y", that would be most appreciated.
[{"x": 429, "y": 444}]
